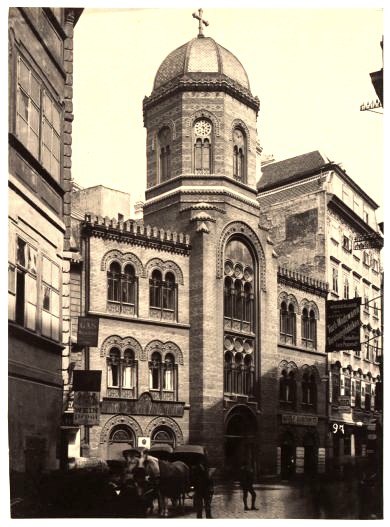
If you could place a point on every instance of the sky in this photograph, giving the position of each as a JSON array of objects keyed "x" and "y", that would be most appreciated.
[{"x": 309, "y": 67}]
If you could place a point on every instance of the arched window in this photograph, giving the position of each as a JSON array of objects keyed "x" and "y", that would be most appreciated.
[
  {"x": 163, "y": 435},
  {"x": 309, "y": 391},
  {"x": 169, "y": 292},
  {"x": 122, "y": 289},
  {"x": 228, "y": 367},
  {"x": 163, "y": 376},
  {"x": 164, "y": 139},
  {"x": 202, "y": 146},
  {"x": 287, "y": 323},
  {"x": 163, "y": 296},
  {"x": 309, "y": 328},
  {"x": 121, "y": 374},
  {"x": 287, "y": 389},
  {"x": 113, "y": 368},
  {"x": 239, "y": 155},
  {"x": 228, "y": 297},
  {"x": 121, "y": 438},
  {"x": 239, "y": 287},
  {"x": 114, "y": 280},
  {"x": 169, "y": 372},
  {"x": 249, "y": 375},
  {"x": 128, "y": 285},
  {"x": 155, "y": 371},
  {"x": 155, "y": 285},
  {"x": 128, "y": 369}
]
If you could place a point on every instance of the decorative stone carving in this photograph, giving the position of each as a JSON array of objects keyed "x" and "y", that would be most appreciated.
[
  {"x": 122, "y": 344},
  {"x": 309, "y": 304},
  {"x": 168, "y": 422},
  {"x": 289, "y": 298},
  {"x": 164, "y": 348},
  {"x": 246, "y": 232},
  {"x": 122, "y": 258},
  {"x": 120, "y": 419},
  {"x": 157, "y": 263},
  {"x": 288, "y": 366}
]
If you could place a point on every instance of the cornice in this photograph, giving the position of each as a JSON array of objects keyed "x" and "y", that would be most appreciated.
[
  {"x": 201, "y": 82},
  {"x": 303, "y": 283}
]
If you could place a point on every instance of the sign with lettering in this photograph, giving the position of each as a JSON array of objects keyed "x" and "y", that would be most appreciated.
[
  {"x": 304, "y": 420},
  {"x": 87, "y": 331},
  {"x": 368, "y": 241},
  {"x": 86, "y": 403},
  {"x": 343, "y": 324},
  {"x": 344, "y": 403},
  {"x": 145, "y": 405}
]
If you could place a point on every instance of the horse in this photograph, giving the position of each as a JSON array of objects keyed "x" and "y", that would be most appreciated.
[{"x": 169, "y": 480}]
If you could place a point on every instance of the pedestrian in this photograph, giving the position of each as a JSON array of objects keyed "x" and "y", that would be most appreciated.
[
  {"x": 246, "y": 483},
  {"x": 203, "y": 489}
]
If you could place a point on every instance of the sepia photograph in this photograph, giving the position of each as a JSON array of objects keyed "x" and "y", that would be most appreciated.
[{"x": 195, "y": 262}]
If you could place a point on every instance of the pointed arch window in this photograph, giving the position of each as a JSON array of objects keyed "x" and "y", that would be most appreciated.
[
  {"x": 239, "y": 155},
  {"x": 121, "y": 374},
  {"x": 202, "y": 146},
  {"x": 309, "y": 328},
  {"x": 164, "y": 140},
  {"x": 309, "y": 391},
  {"x": 287, "y": 323}
]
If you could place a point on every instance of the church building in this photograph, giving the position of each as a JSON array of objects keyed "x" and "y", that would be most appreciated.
[{"x": 188, "y": 297}]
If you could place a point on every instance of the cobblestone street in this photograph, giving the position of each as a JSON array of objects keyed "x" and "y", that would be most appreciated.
[{"x": 336, "y": 500}]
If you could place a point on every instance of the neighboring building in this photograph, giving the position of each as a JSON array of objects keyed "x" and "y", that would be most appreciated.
[
  {"x": 40, "y": 125},
  {"x": 315, "y": 212},
  {"x": 187, "y": 298}
]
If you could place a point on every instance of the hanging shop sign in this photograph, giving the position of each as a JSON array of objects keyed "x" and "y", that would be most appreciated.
[
  {"x": 343, "y": 324},
  {"x": 86, "y": 403},
  {"x": 87, "y": 331}
]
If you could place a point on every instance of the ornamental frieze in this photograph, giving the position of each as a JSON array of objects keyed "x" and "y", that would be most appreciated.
[{"x": 145, "y": 405}]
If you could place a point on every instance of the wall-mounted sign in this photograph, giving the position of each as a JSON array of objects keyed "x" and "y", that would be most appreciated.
[
  {"x": 343, "y": 324},
  {"x": 344, "y": 403},
  {"x": 304, "y": 420},
  {"x": 87, "y": 331},
  {"x": 86, "y": 403},
  {"x": 368, "y": 241}
]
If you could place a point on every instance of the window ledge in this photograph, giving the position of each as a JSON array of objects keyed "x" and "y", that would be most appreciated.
[{"x": 29, "y": 336}]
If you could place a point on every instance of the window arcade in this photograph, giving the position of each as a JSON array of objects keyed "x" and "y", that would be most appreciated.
[
  {"x": 239, "y": 155},
  {"x": 202, "y": 131},
  {"x": 309, "y": 328},
  {"x": 122, "y": 287},
  {"x": 163, "y": 375},
  {"x": 121, "y": 373}
]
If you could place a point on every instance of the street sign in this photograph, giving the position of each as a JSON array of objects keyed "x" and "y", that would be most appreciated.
[
  {"x": 343, "y": 324},
  {"x": 87, "y": 331}
]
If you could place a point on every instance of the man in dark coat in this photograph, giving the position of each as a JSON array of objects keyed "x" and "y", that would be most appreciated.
[
  {"x": 203, "y": 489},
  {"x": 246, "y": 482}
]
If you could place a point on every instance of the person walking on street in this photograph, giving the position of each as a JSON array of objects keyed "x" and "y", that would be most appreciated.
[
  {"x": 203, "y": 489},
  {"x": 246, "y": 483}
]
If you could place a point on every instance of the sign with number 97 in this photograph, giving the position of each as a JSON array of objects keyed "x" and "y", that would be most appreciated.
[{"x": 336, "y": 427}]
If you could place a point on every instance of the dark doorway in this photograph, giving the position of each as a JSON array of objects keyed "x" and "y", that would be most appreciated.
[
  {"x": 240, "y": 441},
  {"x": 287, "y": 457},
  {"x": 310, "y": 455}
]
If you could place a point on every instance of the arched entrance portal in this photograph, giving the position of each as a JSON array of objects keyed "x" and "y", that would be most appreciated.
[{"x": 240, "y": 440}]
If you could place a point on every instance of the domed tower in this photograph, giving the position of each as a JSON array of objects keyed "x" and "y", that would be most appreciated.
[
  {"x": 200, "y": 117},
  {"x": 201, "y": 179}
]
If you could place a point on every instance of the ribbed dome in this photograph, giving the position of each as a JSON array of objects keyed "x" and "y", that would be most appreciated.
[{"x": 201, "y": 55}]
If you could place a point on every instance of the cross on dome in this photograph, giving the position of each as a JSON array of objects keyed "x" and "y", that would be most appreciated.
[{"x": 201, "y": 21}]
